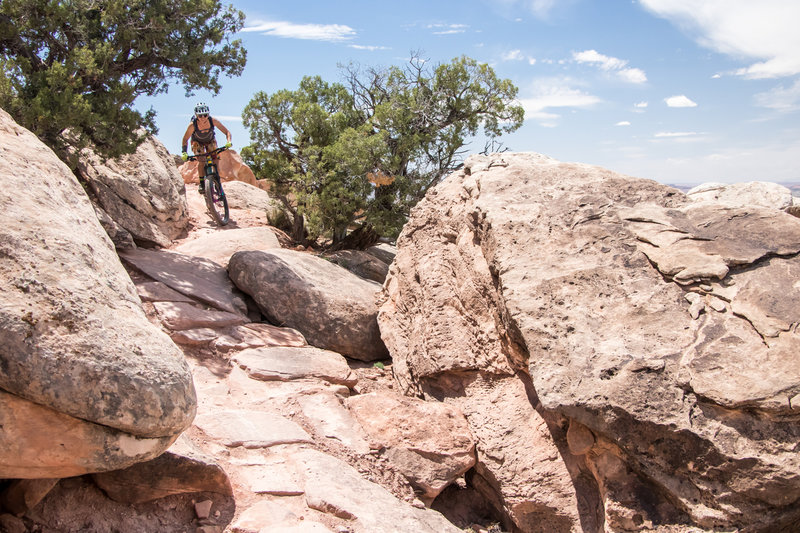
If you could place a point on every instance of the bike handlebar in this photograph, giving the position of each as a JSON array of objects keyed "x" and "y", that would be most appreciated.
[{"x": 209, "y": 154}]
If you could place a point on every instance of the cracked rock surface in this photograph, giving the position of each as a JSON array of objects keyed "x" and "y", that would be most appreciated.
[{"x": 645, "y": 346}]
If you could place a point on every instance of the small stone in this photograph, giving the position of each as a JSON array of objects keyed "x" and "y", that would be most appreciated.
[
  {"x": 418, "y": 503},
  {"x": 12, "y": 524},
  {"x": 203, "y": 509}
]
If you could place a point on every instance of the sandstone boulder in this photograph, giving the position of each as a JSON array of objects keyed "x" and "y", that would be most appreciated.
[
  {"x": 431, "y": 455},
  {"x": 646, "y": 339},
  {"x": 243, "y": 195},
  {"x": 362, "y": 264},
  {"x": 333, "y": 308},
  {"x": 285, "y": 363},
  {"x": 142, "y": 192},
  {"x": 221, "y": 245},
  {"x": 78, "y": 350},
  {"x": 753, "y": 193}
]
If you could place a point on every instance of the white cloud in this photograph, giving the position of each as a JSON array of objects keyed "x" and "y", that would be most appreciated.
[
  {"x": 680, "y": 100},
  {"x": 765, "y": 30},
  {"x": 228, "y": 118},
  {"x": 593, "y": 56},
  {"x": 662, "y": 134},
  {"x": 314, "y": 32},
  {"x": 447, "y": 29},
  {"x": 513, "y": 55},
  {"x": 550, "y": 94},
  {"x": 531, "y": 60},
  {"x": 611, "y": 64},
  {"x": 623, "y": 123},
  {"x": 368, "y": 47},
  {"x": 781, "y": 98},
  {"x": 640, "y": 106}
]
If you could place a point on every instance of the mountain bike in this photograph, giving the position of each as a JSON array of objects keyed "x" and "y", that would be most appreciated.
[{"x": 216, "y": 202}]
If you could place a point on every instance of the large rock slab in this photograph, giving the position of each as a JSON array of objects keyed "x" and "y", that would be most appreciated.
[
  {"x": 286, "y": 363},
  {"x": 196, "y": 277},
  {"x": 250, "y": 428},
  {"x": 333, "y": 308},
  {"x": 142, "y": 192},
  {"x": 334, "y": 487},
  {"x": 179, "y": 316},
  {"x": 656, "y": 332},
  {"x": 431, "y": 455},
  {"x": 221, "y": 245},
  {"x": 753, "y": 193},
  {"x": 74, "y": 336}
]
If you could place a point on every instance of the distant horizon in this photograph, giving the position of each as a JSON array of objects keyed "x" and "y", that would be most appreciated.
[{"x": 677, "y": 91}]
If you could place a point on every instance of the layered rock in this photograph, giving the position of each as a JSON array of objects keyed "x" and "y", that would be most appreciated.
[
  {"x": 141, "y": 192},
  {"x": 753, "y": 193},
  {"x": 81, "y": 364},
  {"x": 333, "y": 308},
  {"x": 641, "y": 344}
]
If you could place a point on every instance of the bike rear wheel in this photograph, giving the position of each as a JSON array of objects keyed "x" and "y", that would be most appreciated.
[{"x": 216, "y": 202}]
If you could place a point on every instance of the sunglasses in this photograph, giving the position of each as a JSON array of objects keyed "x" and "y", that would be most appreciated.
[{"x": 202, "y": 114}]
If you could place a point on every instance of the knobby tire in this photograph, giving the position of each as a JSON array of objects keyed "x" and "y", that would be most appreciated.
[{"x": 216, "y": 202}]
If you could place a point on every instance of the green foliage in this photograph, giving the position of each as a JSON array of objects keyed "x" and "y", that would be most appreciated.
[
  {"x": 78, "y": 65},
  {"x": 320, "y": 144},
  {"x": 379, "y": 365}
]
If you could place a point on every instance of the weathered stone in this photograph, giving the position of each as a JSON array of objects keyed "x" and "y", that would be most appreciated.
[
  {"x": 251, "y": 429},
  {"x": 196, "y": 277},
  {"x": 73, "y": 332},
  {"x": 182, "y": 469},
  {"x": 38, "y": 442},
  {"x": 180, "y": 315},
  {"x": 243, "y": 195},
  {"x": 121, "y": 238},
  {"x": 23, "y": 494},
  {"x": 333, "y": 308},
  {"x": 753, "y": 193},
  {"x": 431, "y": 455},
  {"x": 142, "y": 192},
  {"x": 221, "y": 245},
  {"x": 155, "y": 291},
  {"x": 284, "y": 363},
  {"x": 362, "y": 264},
  {"x": 274, "y": 335},
  {"x": 334, "y": 487},
  {"x": 384, "y": 252},
  {"x": 332, "y": 420},
  {"x": 579, "y": 275}
]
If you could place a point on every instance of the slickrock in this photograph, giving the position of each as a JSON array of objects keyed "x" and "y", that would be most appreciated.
[
  {"x": 196, "y": 277},
  {"x": 250, "y": 428},
  {"x": 333, "y": 308},
  {"x": 180, "y": 315},
  {"x": 753, "y": 193},
  {"x": 558, "y": 291},
  {"x": 142, "y": 192},
  {"x": 431, "y": 455},
  {"x": 220, "y": 246},
  {"x": 78, "y": 351},
  {"x": 288, "y": 363}
]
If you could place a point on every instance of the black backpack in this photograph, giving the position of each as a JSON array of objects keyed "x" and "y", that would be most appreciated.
[{"x": 203, "y": 136}]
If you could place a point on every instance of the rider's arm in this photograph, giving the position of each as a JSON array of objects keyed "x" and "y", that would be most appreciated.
[
  {"x": 185, "y": 140},
  {"x": 222, "y": 128}
]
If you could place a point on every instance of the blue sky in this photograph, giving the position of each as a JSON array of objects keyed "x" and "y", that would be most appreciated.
[{"x": 680, "y": 91}]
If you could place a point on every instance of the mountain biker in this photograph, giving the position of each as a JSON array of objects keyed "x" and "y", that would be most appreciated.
[{"x": 201, "y": 131}]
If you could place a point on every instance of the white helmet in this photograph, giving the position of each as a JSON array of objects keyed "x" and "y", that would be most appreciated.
[{"x": 201, "y": 108}]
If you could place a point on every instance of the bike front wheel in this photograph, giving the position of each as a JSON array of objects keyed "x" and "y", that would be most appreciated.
[{"x": 216, "y": 202}]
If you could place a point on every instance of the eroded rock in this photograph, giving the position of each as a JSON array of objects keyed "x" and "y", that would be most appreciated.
[
  {"x": 75, "y": 339},
  {"x": 333, "y": 308},
  {"x": 571, "y": 281}
]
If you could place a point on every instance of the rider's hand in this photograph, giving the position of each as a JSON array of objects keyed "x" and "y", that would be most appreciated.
[
  {"x": 228, "y": 144},
  {"x": 185, "y": 156}
]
